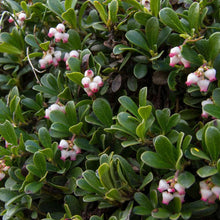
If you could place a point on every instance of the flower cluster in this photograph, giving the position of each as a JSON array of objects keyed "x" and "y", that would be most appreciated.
[
  {"x": 68, "y": 149},
  {"x": 209, "y": 191},
  {"x": 3, "y": 169},
  {"x": 59, "y": 33},
  {"x": 202, "y": 77},
  {"x": 177, "y": 58},
  {"x": 203, "y": 103},
  {"x": 52, "y": 108},
  {"x": 170, "y": 189},
  {"x": 90, "y": 83},
  {"x": 72, "y": 53},
  {"x": 20, "y": 18},
  {"x": 50, "y": 57}
]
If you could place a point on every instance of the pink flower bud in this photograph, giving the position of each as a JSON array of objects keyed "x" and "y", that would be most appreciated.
[
  {"x": 66, "y": 57},
  {"x": 52, "y": 32},
  {"x": 55, "y": 63},
  {"x": 216, "y": 191},
  {"x": 47, "y": 113},
  {"x": 22, "y": 16},
  {"x": 180, "y": 189},
  {"x": 54, "y": 107},
  {"x": 64, "y": 154},
  {"x": 89, "y": 73},
  {"x": 89, "y": 92},
  {"x": 98, "y": 80},
  {"x": 10, "y": 20},
  {"x": 174, "y": 60},
  {"x": 85, "y": 82},
  {"x": 185, "y": 62},
  {"x": 94, "y": 87},
  {"x": 72, "y": 155},
  {"x": 74, "y": 53},
  {"x": 63, "y": 144},
  {"x": 60, "y": 27},
  {"x": 58, "y": 36},
  {"x": 206, "y": 193},
  {"x": 77, "y": 149},
  {"x": 167, "y": 197},
  {"x": 174, "y": 51},
  {"x": 48, "y": 58},
  {"x": 163, "y": 185},
  {"x": 210, "y": 74},
  {"x": 203, "y": 85},
  {"x": 192, "y": 78},
  {"x": 42, "y": 63},
  {"x": 65, "y": 37},
  {"x": 57, "y": 55}
]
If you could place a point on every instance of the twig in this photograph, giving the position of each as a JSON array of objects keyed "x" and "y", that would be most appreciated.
[{"x": 33, "y": 68}]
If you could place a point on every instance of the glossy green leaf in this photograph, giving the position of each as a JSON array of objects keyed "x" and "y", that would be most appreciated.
[
  {"x": 194, "y": 16},
  {"x": 146, "y": 180},
  {"x": 75, "y": 77},
  {"x": 214, "y": 45},
  {"x": 152, "y": 31},
  {"x": 137, "y": 39},
  {"x": 44, "y": 137},
  {"x": 186, "y": 179},
  {"x": 33, "y": 41},
  {"x": 113, "y": 11},
  {"x": 8, "y": 48},
  {"x": 71, "y": 114},
  {"x": 143, "y": 96},
  {"x": 70, "y": 4},
  {"x": 33, "y": 187},
  {"x": 160, "y": 213},
  {"x": 213, "y": 110},
  {"x": 145, "y": 111},
  {"x": 76, "y": 129},
  {"x": 198, "y": 153},
  {"x": 7, "y": 131},
  {"x": 34, "y": 170},
  {"x": 169, "y": 17},
  {"x": 212, "y": 140},
  {"x": 70, "y": 17},
  {"x": 40, "y": 162},
  {"x": 102, "y": 12},
  {"x": 206, "y": 171},
  {"x": 140, "y": 70},
  {"x": 55, "y": 6},
  {"x": 216, "y": 96},
  {"x": 84, "y": 144},
  {"x": 104, "y": 176},
  {"x": 129, "y": 104},
  {"x": 155, "y": 7},
  {"x": 103, "y": 111}
]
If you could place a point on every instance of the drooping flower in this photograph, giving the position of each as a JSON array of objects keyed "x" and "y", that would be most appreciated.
[
  {"x": 210, "y": 74},
  {"x": 203, "y": 85},
  {"x": 163, "y": 185},
  {"x": 54, "y": 107},
  {"x": 167, "y": 197},
  {"x": 192, "y": 78},
  {"x": 203, "y": 103}
]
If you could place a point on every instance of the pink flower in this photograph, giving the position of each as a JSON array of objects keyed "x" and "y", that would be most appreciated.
[
  {"x": 167, "y": 197},
  {"x": 176, "y": 194},
  {"x": 57, "y": 55},
  {"x": 77, "y": 149},
  {"x": 192, "y": 78},
  {"x": 66, "y": 57},
  {"x": 180, "y": 189},
  {"x": 163, "y": 185},
  {"x": 22, "y": 16},
  {"x": 216, "y": 191},
  {"x": 52, "y": 32},
  {"x": 58, "y": 36},
  {"x": 86, "y": 81},
  {"x": 10, "y": 20},
  {"x": 65, "y": 37},
  {"x": 48, "y": 58},
  {"x": 74, "y": 53},
  {"x": 60, "y": 27},
  {"x": 210, "y": 74},
  {"x": 174, "y": 51},
  {"x": 174, "y": 60},
  {"x": 98, "y": 80},
  {"x": 2, "y": 175},
  {"x": 206, "y": 193},
  {"x": 42, "y": 63},
  {"x": 89, "y": 73},
  {"x": 72, "y": 155},
  {"x": 94, "y": 87},
  {"x": 203, "y": 85},
  {"x": 203, "y": 103},
  {"x": 64, "y": 154},
  {"x": 185, "y": 62},
  {"x": 63, "y": 144},
  {"x": 89, "y": 92},
  {"x": 55, "y": 63}
]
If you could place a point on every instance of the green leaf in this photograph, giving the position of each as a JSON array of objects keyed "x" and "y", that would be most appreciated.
[
  {"x": 140, "y": 70},
  {"x": 103, "y": 111},
  {"x": 152, "y": 31},
  {"x": 129, "y": 105},
  {"x": 102, "y": 12},
  {"x": 33, "y": 187},
  {"x": 113, "y": 11},
  {"x": 44, "y": 137},
  {"x": 142, "y": 17},
  {"x": 76, "y": 129},
  {"x": 105, "y": 176},
  {"x": 45, "y": 45},
  {"x": 74, "y": 64},
  {"x": 33, "y": 41},
  {"x": 189, "y": 54},
  {"x": 84, "y": 144},
  {"x": 55, "y": 6},
  {"x": 7, "y": 194},
  {"x": 145, "y": 111},
  {"x": 59, "y": 130},
  {"x": 114, "y": 194},
  {"x": 70, "y": 4},
  {"x": 163, "y": 118},
  {"x": 70, "y": 17},
  {"x": 135, "y": 4},
  {"x": 71, "y": 114},
  {"x": 212, "y": 140},
  {"x": 155, "y": 7},
  {"x": 7, "y": 131},
  {"x": 137, "y": 39},
  {"x": 213, "y": 110},
  {"x": 160, "y": 213},
  {"x": 186, "y": 179},
  {"x": 194, "y": 16},
  {"x": 216, "y": 96},
  {"x": 198, "y": 153},
  {"x": 146, "y": 180},
  {"x": 206, "y": 171},
  {"x": 143, "y": 96},
  {"x": 40, "y": 162},
  {"x": 75, "y": 77},
  {"x": 172, "y": 79},
  {"x": 8, "y": 48},
  {"x": 169, "y": 17},
  {"x": 214, "y": 45},
  {"x": 59, "y": 116},
  {"x": 34, "y": 170}
]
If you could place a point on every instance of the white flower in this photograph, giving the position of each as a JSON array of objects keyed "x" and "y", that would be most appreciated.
[
  {"x": 216, "y": 190},
  {"x": 65, "y": 37},
  {"x": 98, "y": 80},
  {"x": 203, "y": 85},
  {"x": 2, "y": 175},
  {"x": 180, "y": 189},
  {"x": 210, "y": 74},
  {"x": 42, "y": 63},
  {"x": 86, "y": 81},
  {"x": 64, "y": 154},
  {"x": 48, "y": 58},
  {"x": 203, "y": 103},
  {"x": 89, "y": 73},
  {"x": 60, "y": 27},
  {"x": 63, "y": 144},
  {"x": 52, "y": 32},
  {"x": 22, "y": 16},
  {"x": 58, "y": 36},
  {"x": 74, "y": 53},
  {"x": 192, "y": 78},
  {"x": 163, "y": 185},
  {"x": 94, "y": 87},
  {"x": 167, "y": 197},
  {"x": 57, "y": 55},
  {"x": 175, "y": 51}
]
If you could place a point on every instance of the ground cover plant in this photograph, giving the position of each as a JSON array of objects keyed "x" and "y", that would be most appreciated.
[{"x": 109, "y": 109}]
